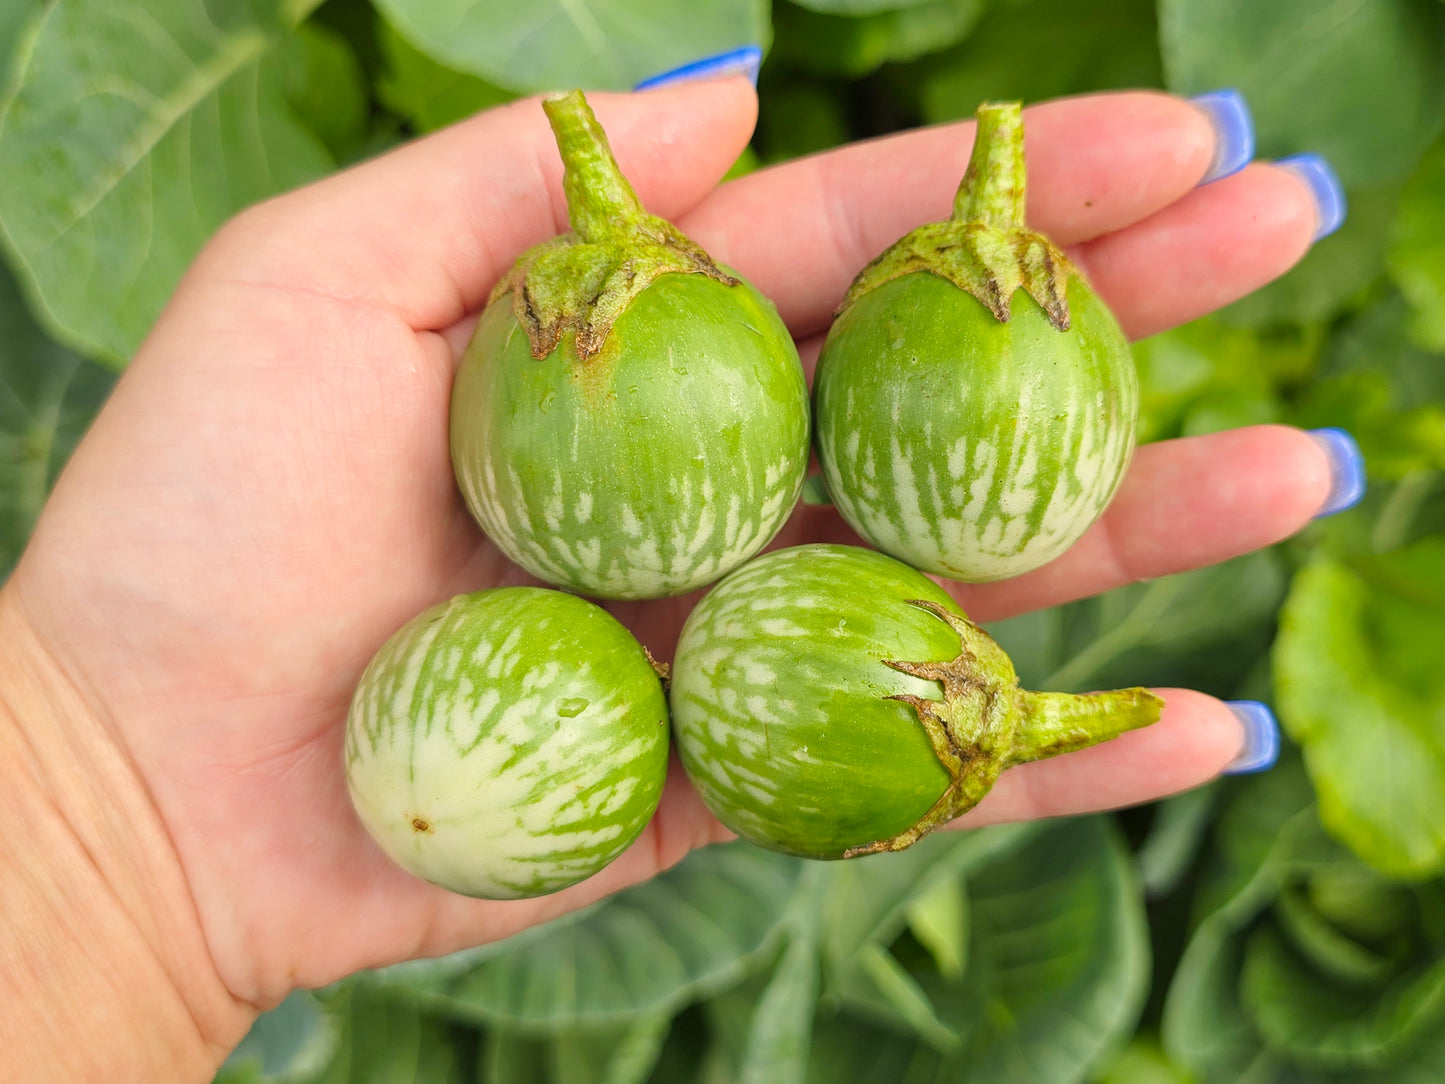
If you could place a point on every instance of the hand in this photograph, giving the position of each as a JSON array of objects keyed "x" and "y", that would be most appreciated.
[{"x": 268, "y": 495}]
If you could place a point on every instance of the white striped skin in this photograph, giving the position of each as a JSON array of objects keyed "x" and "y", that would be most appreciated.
[
  {"x": 968, "y": 447},
  {"x": 507, "y": 743},
  {"x": 779, "y": 699},
  {"x": 659, "y": 464}
]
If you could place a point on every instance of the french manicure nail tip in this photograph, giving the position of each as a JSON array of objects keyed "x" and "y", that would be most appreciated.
[
  {"x": 1261, "y": 738},
  {"x": 1229, "y": 115},
  {"x": 1324, "y": 186},
  {"x": 1347, "y": 470},
  {"x": 742, "y": 61}
]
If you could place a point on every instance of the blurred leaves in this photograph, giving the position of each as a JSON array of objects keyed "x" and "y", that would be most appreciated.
[
  {"x": 1360, "y": 686},
  {"x": 831, "y": 44},
  {"x": 135, "y": 130},
  {"x": 1417, "y": 249},
  {"x": 1041, "y": 49},
  {"x": 47, "y": 399},
  {"x": 426, "y": 94},
  {"x": 697, "y": 928},
  {"x": 1359, "y": 82},
  {"x": 554, "y": 44}
]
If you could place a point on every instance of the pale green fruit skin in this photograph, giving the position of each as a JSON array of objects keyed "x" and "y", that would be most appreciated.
[
  {"x": 508, "y": 743},
  {"x": 780, "y": 704},
  {"x": 968, "y": 447},
  {"x": 666, "y": 459}
]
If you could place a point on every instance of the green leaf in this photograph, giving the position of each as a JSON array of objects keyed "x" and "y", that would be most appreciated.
[
  {"x": 1417, "y": 249},
  {"x": 858, "y": 7},
  {"x": 1203, "y": 628},
  {"x": 13, "y": 17},
  {"x": 780, "y": 1034},
  {"x": 797, "y": 118},
  {"x": 326, "y": 88},
  {"x": 1360, "y": 687},
  {"x": 881, "y": 989},
  {"x": 603, "y": 44},
  {"x": 938, "y": 920},
  {"x": 388, "y": 1038},
  {"x": 1144, "y": 1062},
  {"x": 48, "y": 397},
  {"x": 1059, "y": 965},
  {"x": 868, "y": 898},
  {"x": 1268, "y": 831},
  {"x": 135, "y": 130},
  {"x": 1043, "y": 49},
  {"x": 618, "y": 1057},
  {"x": 427, "y": 94},
  {"x": 294, "y": 1042},
  {"x": 1176, "y": 835},
  {"x": 1359, "y": 83},
  {"x": 834, "y": 44},
  {"x": 691, "y": 931}
]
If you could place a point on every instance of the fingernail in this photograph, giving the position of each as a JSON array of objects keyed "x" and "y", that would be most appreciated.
[
  {"x": 1228, "y": 113},
  {"x": 744, "y": 61},
  {"x": 1261, "y": 738},
  {"x": 1324, "y": 186},
  {"x": 1347, "y": 470}
]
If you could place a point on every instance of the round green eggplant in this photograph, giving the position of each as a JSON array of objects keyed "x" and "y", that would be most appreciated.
[
  {"x": 630, "y": 419},
  {"x": 829, "y": 701},
  {"x": 507, "y": 743},
  {"x": 975, "y": 402}
]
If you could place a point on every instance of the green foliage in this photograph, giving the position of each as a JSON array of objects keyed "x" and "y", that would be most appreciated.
[
  {"x": 1293, "y": 919},
  {"x": 545, "y": 44},
  {"x": 1360, "y": 84}
]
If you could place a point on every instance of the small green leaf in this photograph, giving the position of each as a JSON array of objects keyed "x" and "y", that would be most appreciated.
[
  {"x": 1417, "y": 249},
  {"x": 1144, "y": 1062},
  {"x": 426, "y": 93},
  {"x": 135, "y": 130},
  {"x": 880, "y": 988},
  {"x": 627, "y": 1056},
  {"x": 1358, "y": 83},
  {"x": 780, "y": 1034},
  {"x": 693, "y": 930},
  {"x": 1360, "y": 687},
  {"x": 603, "y": 44}
]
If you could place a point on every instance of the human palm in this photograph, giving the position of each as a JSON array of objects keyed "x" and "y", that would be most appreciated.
[{"x": 268, "y": 496}]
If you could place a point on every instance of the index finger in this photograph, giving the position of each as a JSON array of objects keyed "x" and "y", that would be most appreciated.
[{"x": 802, "y": 230}]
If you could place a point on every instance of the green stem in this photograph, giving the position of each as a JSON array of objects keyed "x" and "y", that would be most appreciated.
[
  {"x": 1054, "y": 723},
  {"x": 992, "y": 190},
  {"x": 600, "y": 202}
]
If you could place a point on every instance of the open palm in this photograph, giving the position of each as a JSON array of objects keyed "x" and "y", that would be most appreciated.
[{"x": 268, "y": 496}]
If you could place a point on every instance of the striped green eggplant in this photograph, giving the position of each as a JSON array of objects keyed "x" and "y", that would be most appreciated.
[
  {"x": 975, "y": 402},
  {"x": 507, "y": 743},
  {"x": 630, "y": 419},
  {"x": 829, "y": 701}
]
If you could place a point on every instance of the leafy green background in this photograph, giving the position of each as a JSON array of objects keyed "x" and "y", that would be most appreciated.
[{"x": 1288, "y": 927}]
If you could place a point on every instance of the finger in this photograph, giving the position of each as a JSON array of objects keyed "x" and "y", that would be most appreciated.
[
  {"x": 427, "y": 229},
  {"x": 1195, "y": 738},
  {"x": 801, "y": 231},
  {"x": 1184, "y": 504},
  {"x": 1212, "y": 247}
]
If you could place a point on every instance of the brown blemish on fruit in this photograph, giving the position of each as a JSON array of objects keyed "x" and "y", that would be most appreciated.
[{"x": 421, "y": 825}]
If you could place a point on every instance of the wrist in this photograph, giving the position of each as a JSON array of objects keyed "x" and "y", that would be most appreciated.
[{"x": 104, "y": 971}]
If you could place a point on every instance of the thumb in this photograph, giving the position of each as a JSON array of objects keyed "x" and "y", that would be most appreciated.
[{"x": 426, "y": 230}]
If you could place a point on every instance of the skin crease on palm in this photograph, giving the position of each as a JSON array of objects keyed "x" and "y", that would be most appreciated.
[{"x": 268, "y": 496}]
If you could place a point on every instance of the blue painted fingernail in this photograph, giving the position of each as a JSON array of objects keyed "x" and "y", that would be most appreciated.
[
  {"x": 744, "y": 61},
  {"x": 1347, "y": 470},
  {"x": 1261, "y": 738},
  {"x": 1324, "y": 186},
  {"x": 1228, "y": 112}
]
